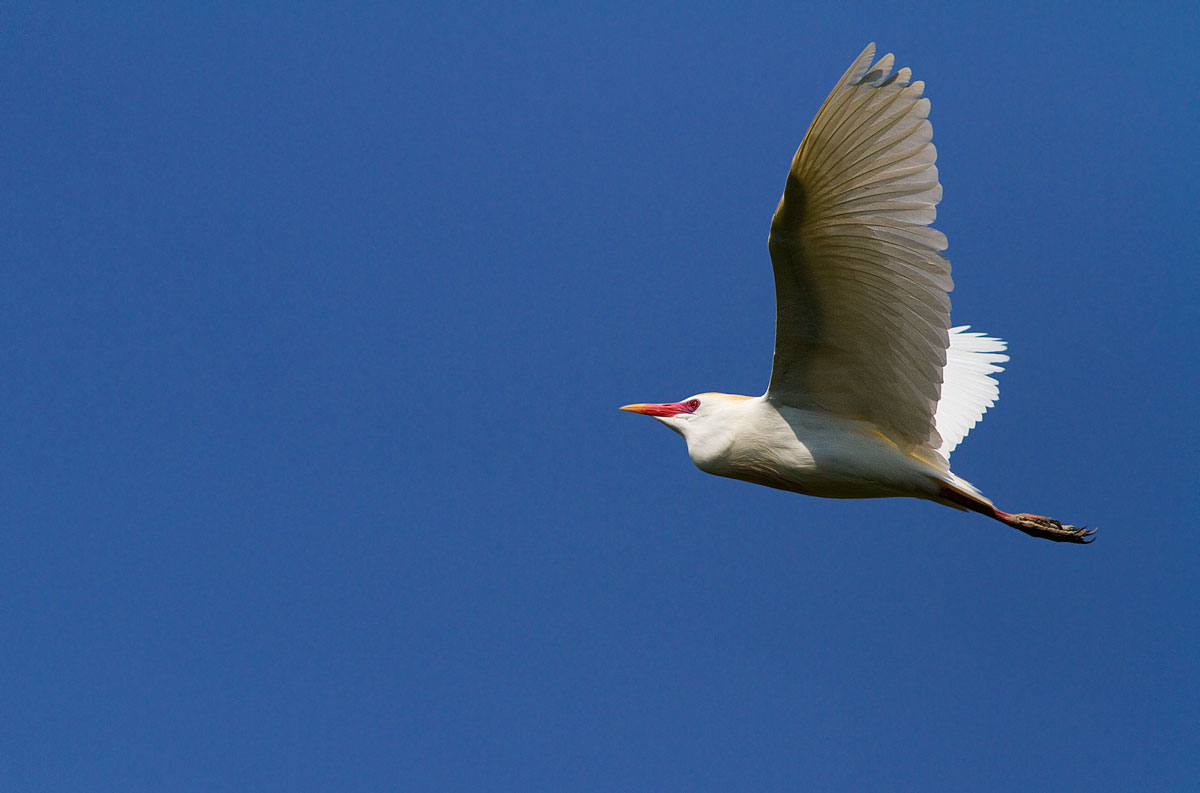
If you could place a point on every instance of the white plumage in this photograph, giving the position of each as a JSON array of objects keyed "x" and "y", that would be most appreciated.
[
  {"x": 871, "y": 389},
  {"x": 968, "y": 389}
]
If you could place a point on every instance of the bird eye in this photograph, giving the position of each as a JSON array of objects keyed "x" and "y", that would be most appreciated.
[{"x": 695, "y": 403}]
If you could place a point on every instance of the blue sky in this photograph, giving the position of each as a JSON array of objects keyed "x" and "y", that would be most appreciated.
[{"x": 316, "y": 321}]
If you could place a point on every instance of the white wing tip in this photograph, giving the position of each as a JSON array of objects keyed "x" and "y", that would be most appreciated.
[{"x": 968, "y": 389}]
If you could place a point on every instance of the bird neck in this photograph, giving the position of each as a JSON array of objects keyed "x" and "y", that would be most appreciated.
[{"x": 711, "y": 439}]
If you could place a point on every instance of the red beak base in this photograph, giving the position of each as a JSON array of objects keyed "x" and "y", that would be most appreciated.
[{"x": 662, "y": 409}]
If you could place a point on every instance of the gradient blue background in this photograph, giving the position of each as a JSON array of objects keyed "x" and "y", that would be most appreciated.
[{"x": 315, "y": 321}]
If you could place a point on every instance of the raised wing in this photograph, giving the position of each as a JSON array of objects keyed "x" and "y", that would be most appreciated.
[{"x": 862, "y": 316}]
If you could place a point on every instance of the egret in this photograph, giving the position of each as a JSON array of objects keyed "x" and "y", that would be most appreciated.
[{"x": 871, "y": 388}]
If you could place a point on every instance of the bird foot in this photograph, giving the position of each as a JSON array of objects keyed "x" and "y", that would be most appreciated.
[{"x": 1048, "y": 528}]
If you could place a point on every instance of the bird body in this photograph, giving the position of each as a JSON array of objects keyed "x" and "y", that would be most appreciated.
[
  {"x": 871, "y": 389},
  {"x": 804, "y": 451}
]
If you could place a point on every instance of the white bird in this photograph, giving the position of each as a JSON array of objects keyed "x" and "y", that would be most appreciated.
[{"x": 871, "y": 389}]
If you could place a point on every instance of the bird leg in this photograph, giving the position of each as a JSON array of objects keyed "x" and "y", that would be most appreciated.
[
  {"x": 1046, "y": 528},
  {"x": 1033, "y": 525}
]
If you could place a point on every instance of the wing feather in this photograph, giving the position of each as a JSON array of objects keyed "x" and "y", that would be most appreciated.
[
  {"x": 863, "y": 315},
  {"x": 968, "y": 389}
]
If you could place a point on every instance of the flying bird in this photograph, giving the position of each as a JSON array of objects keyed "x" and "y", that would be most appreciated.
[{"x": 871, "y": 389}]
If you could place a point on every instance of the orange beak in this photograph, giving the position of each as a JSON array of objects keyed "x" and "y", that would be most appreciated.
[{"x": 658, "y": 408}]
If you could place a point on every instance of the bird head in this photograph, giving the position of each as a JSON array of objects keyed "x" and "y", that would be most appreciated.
[{"x": 691, "y": 414}]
